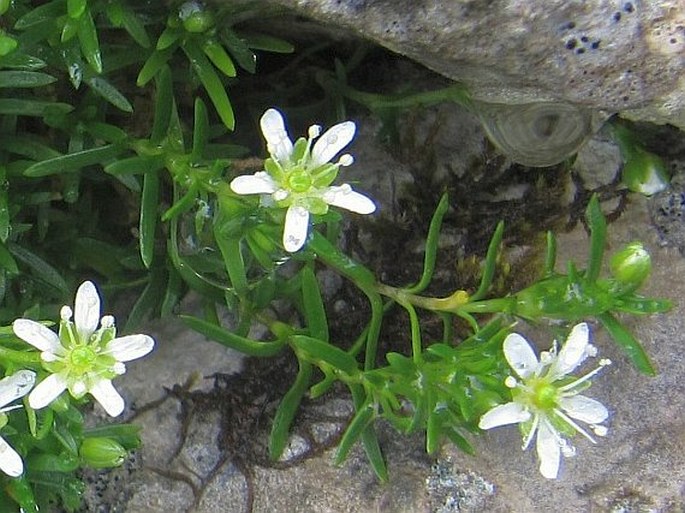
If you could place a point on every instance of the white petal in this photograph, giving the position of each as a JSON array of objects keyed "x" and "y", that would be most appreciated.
[
  {"x": 130, "y": 347},
  {"x": 584, "y": 409},
  {"x": 10, "y": 461},
  {"x": 344, "y": 197},
  {"x": 86, "y": 310},
  {"x": 296, "y": 227},
  {"x": 37, "y": 335},
  {"x": 278, "y": 143},
  {"x": 573, "y": 352},
  {"x": 47, "y": 391},
  {"x": 258, "y": 183},
  {"x": 520, "y": 355},
  {"x": 548, "y": 449},
  {"x": 504, "y": 414},
  {"x": 331, "y": 142},
  {"x": 104, "y": 392},
  {"x": 15, "y": 386}
]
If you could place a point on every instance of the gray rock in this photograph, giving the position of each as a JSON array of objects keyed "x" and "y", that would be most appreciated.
[{"x": 614, "y": 56}]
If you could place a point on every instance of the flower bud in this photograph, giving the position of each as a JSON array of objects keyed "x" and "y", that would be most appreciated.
[
  {"x": 645, "y": 173},
  {"x": 100, "y": 452},
  {"x": 631, "y": 266},
  {"x": 195, "y": 17}
]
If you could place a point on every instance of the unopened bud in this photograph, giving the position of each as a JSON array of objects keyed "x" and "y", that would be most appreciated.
[
  {"x": 631, "y": 266},
  {"x": 645, "y": 173},
  {"x": 100, "y": 452}
]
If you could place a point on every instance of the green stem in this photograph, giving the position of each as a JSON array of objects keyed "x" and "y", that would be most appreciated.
[
  {"x": 451, "y": 304},
  {"x": 416, "y": 345},
  {"x": 362, "y": 278},
  {"x": 495, "y": 305}
]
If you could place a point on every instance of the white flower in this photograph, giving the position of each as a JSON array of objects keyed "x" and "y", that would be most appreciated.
[
  {"x": 546, "y": 400},
  {"x": 299, "y": 176},
  {"x": 83, "y": 358},
  {"x": 12, "y": 388}
]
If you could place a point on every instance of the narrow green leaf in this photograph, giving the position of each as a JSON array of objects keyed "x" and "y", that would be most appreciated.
[
  {"x": 287, "y": 410},
  {"x": 135, "y": 166},
  {"x": 239, "y": 50},
  {"x": 164, "y": 104},
  {"x": 121, "y": 15},
  {"x": 233, "y": 260},
  {"x": 490, "y": 263},
  {"x": 269, "y": 43},
  {"x": 219, "y": 57},
  {"x": 88, "y": 37},
  {"x": 75, "y": 8},
  {"x": 148, "y": 217},
  {"x": 212, "y": 84},
  {"x": 168, "y": 37},
  {"x": 25, "y": 79},
  {"x": 98, "y": 255},
  {"x": 7, "y": 262},
  {"x": 431, "y": 246},
  {"x": 598, "y": 232},
  {"x": 200, "y": 131},
  {"x": 173, "y": 293},
  {"x": 318, "y": 350},
  {"x": 229, "y": 339},
  {"x": 314, "y": 311},
  {"x": 21, "y": 61},
  {"x": 74, "y": 161},
  {"x": 42, "y": 270},
  {"x": 69, "y": 30},
  {"x": 110, "y": 93},
  {"x": 185, "y": 203},
  {"x": 148, "y": 301},
  {"x": 15, "y": 107},
  {"x": 4, "y": 209},
  {"x": 154, "y": 63},
  {"x": 550, "y": 255},
  {"x": 47, "y": 12},
  {"x": 628, "y": 343},
  {"x": 22, "y": 492},
  {"x": 106, "y": 132},
  {"x": 27, "y": 146},
  {"x": 363, "y": 418}
]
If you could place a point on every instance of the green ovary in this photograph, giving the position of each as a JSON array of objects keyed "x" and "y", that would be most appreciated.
[
  {"x": 82, "y": 360},
  {"x": 299, "y": 181},
  {"x": 545, "y": 396}
]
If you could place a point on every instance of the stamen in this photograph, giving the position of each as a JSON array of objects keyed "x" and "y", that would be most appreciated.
[
  {"x": 314, "y": 131},
  {"x": 602, "y": 363},
  {"x": 107, "y": 321},
  {"x": 346, "y": 160},
  {"x": 65, "y": 313},
  {"x": 280, "y": 195},
  {"x": 573, "y": 424}
]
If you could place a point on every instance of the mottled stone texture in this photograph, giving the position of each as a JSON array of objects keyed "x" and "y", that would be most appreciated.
[{"x": 613, "y": 55}]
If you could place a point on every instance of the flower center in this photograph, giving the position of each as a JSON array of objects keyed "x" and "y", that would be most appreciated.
[
  {"x": 82, "y": 359},
  {"x": 299, "y": 180},
  {"x": 545, "y": 395}
]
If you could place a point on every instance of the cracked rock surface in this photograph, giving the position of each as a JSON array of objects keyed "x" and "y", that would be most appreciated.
[{"x": 610, "y": 55}]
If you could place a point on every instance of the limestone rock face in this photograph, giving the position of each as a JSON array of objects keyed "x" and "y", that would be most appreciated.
[{"x": 610, "y": 55}]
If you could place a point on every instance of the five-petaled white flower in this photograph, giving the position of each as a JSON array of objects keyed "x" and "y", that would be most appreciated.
[
  {"x": 546, "y": 400},
  {"x": 299, "y": 176},
  {"x": 83, "y": 358},
  {"x": 12, "y": 388}
]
